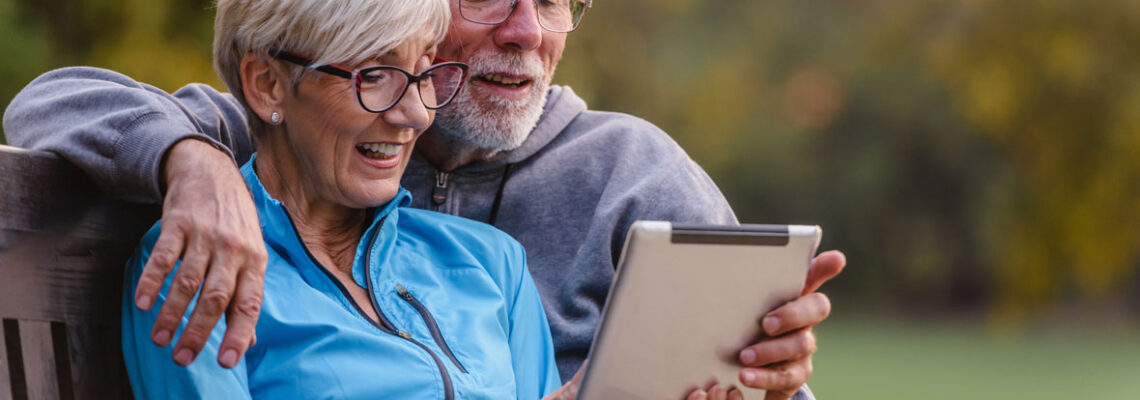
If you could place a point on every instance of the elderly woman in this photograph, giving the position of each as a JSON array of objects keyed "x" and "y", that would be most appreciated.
[{"x": 364, "y": 297}]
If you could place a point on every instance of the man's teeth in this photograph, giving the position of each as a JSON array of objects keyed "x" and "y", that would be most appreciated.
[
  {"x": 502, "y": 79},
  {"x": 380, "y": 150}
]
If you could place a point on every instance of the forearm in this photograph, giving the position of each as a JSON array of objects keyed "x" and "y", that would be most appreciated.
[{"x": 120, "y": 131}]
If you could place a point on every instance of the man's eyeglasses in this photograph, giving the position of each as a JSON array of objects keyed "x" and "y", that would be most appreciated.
[
  {"x": 553, "y": 15},
  {"x": 379, "y": 88}
]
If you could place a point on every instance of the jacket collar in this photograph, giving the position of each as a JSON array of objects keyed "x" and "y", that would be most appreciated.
[
  {"x": 271, "y": 209},
  {"x": 281, "y": 235}
]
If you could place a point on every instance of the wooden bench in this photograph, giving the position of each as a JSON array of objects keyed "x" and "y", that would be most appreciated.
[{"x": 63, "y": 245}]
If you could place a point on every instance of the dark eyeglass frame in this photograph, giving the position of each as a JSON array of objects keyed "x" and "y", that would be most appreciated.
[
  {"x": 355, "y": 77},
  {"x": 515, "y": 5}
]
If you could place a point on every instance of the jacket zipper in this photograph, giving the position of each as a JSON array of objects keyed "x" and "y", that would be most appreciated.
[
  {"x": 383, "y": 325},
  {"x": 439, "y": 192},
  {"x": 448, "y": 390},
  {"x": 433, "y": 327}
]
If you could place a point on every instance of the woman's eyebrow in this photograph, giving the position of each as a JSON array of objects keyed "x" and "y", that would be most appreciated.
[{"x": 380, "y": 57}]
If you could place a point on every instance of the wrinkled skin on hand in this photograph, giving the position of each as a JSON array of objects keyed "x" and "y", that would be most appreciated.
[
  {"x": 781, "y": 362},
  {"x": 209, "y": 223},
  {"x": 715, "y": 392}
]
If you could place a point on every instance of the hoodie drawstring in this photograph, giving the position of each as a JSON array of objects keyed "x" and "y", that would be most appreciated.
[{"x": 499, "y": 195}]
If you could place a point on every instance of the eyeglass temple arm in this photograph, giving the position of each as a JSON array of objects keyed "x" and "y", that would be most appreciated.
[{"x": 307, "y": 63}]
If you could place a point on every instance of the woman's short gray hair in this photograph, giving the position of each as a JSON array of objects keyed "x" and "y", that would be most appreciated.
[{"x": 327, "y": 31}]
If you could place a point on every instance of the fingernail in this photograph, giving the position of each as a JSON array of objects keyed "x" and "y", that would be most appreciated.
[
  {"x": 143, "y": 302},
  {"x": 748, "y": 376},
  {"x": 162, "y": 338},
  {"x": 771, "y": 325},
  {"x": 229, "y": 358},
  {"x": 747, "y": 356},
  {"x": 184, "y": 357}
]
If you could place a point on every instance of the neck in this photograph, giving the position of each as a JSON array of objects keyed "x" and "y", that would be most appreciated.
[
  {"x": 330, "y": 231},
  {"x": 447, "y": 155}
]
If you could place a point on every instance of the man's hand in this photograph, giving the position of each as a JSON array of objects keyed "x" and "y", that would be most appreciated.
[
  {"x": 210, "y": 223},
  {"x": 781, "y": 362},
  {"x": 715, "y": 392}
]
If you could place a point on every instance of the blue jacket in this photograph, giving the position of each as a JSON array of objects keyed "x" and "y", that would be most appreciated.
[{"x": 460, "y": 318}]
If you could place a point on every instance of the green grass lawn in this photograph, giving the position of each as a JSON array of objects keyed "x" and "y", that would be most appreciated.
[{"x": 876, "y": 360}]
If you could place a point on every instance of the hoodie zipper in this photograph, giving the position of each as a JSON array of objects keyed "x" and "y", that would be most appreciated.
[
  {"x": 439, "y": 192},
  {"x": 433, "y": 327},
  {"x": 383, "y": 325}
]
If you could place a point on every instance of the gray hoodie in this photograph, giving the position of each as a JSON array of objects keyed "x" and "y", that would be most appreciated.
[{"x": 568, "y": 194}]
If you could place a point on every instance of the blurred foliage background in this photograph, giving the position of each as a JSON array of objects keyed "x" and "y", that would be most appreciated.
[{"x": 978, "y": 161}]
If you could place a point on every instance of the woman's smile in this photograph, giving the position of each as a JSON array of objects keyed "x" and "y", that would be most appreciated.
[{"x": 382, "y": 155}]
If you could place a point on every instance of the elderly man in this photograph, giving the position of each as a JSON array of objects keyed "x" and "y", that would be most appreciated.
[{"x": 511, "y": 151}]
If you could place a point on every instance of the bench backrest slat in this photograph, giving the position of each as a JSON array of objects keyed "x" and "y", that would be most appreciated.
[
  {"x": 96, "y": 363},
  {"x": 5, "y": 386},
  {"x": 39, "y": 360},
  {"x": 63, "y": 245}
]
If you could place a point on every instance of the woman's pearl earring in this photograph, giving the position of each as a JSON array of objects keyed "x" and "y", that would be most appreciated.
[{"x": 275, "y": 118}]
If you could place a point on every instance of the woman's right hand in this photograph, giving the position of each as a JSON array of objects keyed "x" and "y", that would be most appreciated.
[{"x": 569, "y": 390}]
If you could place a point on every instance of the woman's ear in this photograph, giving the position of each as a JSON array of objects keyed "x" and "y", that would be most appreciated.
[{"x": 264, "y": 86}]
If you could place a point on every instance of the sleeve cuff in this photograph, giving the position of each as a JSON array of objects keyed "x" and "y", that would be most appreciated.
[
  {"x": 140, "y": 154},
  {"x": 804, "y": 394}
]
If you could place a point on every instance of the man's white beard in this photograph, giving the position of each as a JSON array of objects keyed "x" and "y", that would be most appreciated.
[{"x": 479, "y": 120}]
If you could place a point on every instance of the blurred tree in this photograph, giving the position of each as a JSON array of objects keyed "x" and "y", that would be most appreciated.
[
  {"x": 162, "y": 42},
  {"x": 1055, "y": 85},
  {"x": 25, "y": 48}
]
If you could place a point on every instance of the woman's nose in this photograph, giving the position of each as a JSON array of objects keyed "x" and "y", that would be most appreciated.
[{"x": 410, "y": 111}]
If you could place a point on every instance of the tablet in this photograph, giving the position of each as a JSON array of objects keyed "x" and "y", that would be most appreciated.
[{"x": 685, "y": 300}]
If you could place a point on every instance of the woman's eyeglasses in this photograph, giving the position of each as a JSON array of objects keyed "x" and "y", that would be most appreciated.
[{"x": 379, "y": 88}]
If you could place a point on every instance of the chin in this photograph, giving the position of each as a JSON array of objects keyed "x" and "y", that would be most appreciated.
[
  {"x": 371, "y": 197},
  {"x": 487, "y": 125}
]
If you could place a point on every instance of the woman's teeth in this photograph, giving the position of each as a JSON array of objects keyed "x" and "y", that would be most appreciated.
[{"x": 379, "y": 150}]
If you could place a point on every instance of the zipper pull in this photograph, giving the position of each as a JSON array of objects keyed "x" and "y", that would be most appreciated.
[
  {"x": 404, "y": 335},
  {"x": 439, "y": 192},
  {"x": 403, "y": 292}
]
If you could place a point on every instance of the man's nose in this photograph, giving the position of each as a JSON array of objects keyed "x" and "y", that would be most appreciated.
[{"x": 521, "y": 31}]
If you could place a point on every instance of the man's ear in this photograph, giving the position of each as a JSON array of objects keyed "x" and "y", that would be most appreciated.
[{"x": 264, "y": 84}]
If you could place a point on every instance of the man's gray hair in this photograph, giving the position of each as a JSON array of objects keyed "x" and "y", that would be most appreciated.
[{"x": 327, "y": 31}]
